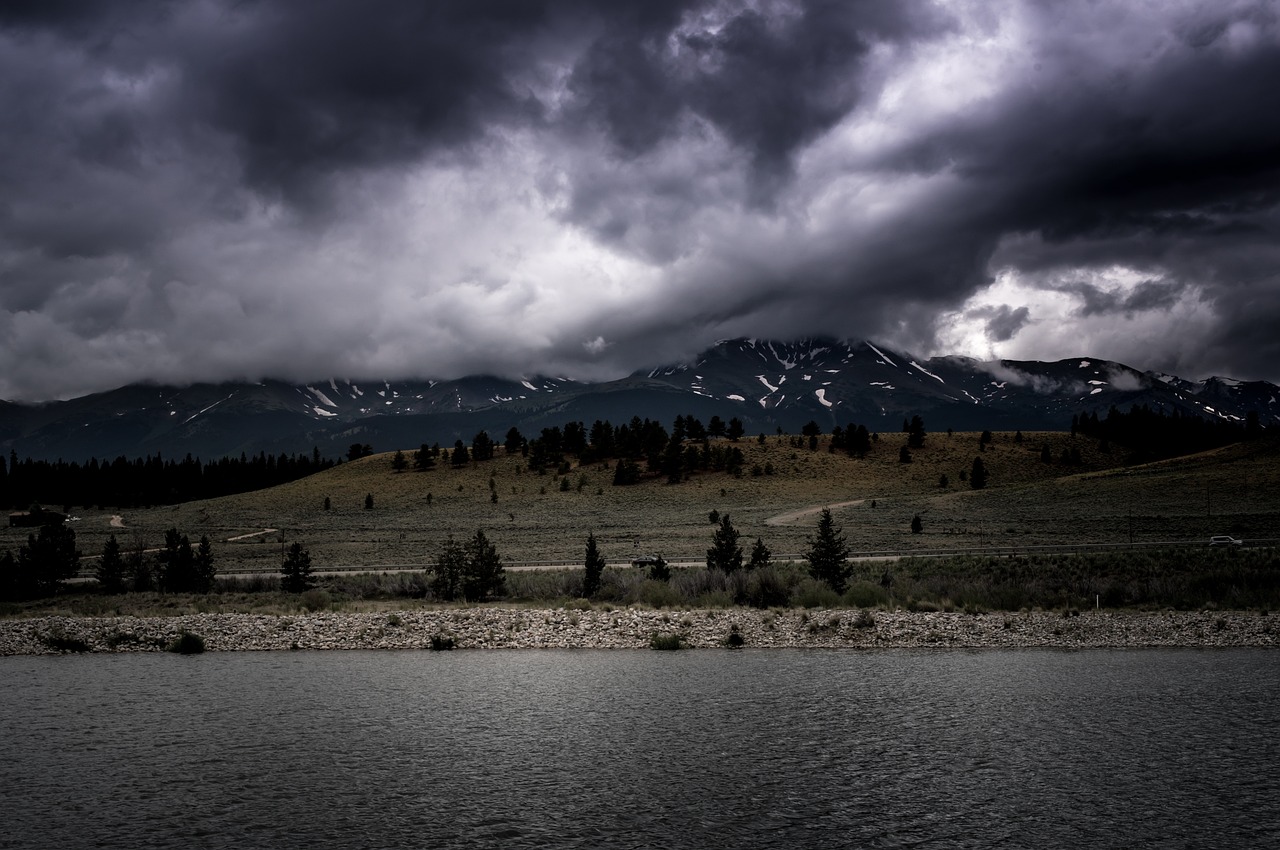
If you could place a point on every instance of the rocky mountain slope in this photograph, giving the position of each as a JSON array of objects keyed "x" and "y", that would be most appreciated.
[{"x": 767, "y": 384}]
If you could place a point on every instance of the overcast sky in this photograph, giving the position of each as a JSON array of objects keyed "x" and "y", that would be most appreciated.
[{"x": 228, "y": 189}]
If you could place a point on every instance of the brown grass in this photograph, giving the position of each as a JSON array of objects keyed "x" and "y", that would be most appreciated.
[{"x": 1231, "y": 490}]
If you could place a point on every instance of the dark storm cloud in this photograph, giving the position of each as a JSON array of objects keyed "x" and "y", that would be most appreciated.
[
  {"x": 768, "y": 83},
  {"x": 1002, "y": 323},
  {"x": 225, "y": 189}
]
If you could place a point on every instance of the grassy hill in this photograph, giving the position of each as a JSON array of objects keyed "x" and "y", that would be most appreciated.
[{"x": 1232, "y": 490}]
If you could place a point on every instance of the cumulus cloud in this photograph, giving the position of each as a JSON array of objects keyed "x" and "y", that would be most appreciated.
[
  {"x": 218, "y": 190},
  {"x": 1001, "y": 323}
]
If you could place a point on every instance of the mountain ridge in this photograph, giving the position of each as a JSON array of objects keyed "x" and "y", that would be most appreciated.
[{"x": 768, "y": 384}]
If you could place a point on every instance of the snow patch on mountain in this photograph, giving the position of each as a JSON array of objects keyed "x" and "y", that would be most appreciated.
[
  {"x": 822, "y": 398},
  {"x": 927, "y": 372},
  {"x": 883, "y": 356},
  {"x": 324, "y": 399}
]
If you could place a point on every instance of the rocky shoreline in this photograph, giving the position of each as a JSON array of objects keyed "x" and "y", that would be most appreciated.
[{"x": 627, "y": 628}]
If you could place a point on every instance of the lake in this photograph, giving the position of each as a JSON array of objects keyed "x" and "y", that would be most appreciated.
[{"x": 589, "y": 748}]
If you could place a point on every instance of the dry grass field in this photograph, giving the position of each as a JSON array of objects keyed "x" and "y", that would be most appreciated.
[{"x": 1234, "y": 490}]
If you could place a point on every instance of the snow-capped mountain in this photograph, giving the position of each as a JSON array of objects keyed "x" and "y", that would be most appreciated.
[
  {"x": 865, "y": 382},
  {"x": 765, "y": 383}
]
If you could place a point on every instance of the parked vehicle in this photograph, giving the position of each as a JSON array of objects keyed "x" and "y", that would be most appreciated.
[
  {"x": 645, "y": 560},
  {"x": 1225, "y": 540}
]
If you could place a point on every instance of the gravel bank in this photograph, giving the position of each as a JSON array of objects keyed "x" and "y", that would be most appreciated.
[{"x": 506, "y": 628}]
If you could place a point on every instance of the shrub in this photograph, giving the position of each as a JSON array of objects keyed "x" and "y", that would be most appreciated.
[
  {"x": 735, "y": 640},
  {"x": 766, "y": 588},
  {"x": 316, "y": 600},
  {"x": 811, "y": 593},
  {"x": 714, "y": 599},
  {"x": 187, "y": 643},
  {"x": 864, "y": 620},
  {"x": 59, "y": 641},
  {"x": 659, "y": 594},
  {"x": 866, "y": 594},
  {"x": 666, "y": 642},
  {"x": 442, "y": 643}
]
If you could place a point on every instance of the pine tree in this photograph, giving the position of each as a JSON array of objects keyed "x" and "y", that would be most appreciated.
[
  {"x": 484, "y": 577},
  {"x": 514, "y": 440},
  {"x": 49, "y": 558},
  {"x": 459, "y": 456},
  {"x": 398, "y": 461},
  {"x": 673, "y": 461},
  {"x": 594, "y": 568},
  {"x": 915, "y": 433},
  {"x": 295, "y": 572},
  {"x": 978, "y": 474},
  {"x": 626, "y": 472},
  {"x": 111, "y": 569},
  {"x": 138, "y": 567},
  {"x": 917, "y": 524},
  {"x": 735, "y": 430},
  {"x": 860, "y": 441},
  {"x": 203, "y": 571},
  {"x": 482, "y": 446},
  {"x": 449, "y": 569},
  {"x": 177, "y": 563},
  {"x": 760, "y": 556},
  {"x": 829, "y": 555},
  {"x": 725, "y": 554}
]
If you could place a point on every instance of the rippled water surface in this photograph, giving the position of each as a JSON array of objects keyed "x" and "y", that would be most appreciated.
[{"x": 698, "y": 749}]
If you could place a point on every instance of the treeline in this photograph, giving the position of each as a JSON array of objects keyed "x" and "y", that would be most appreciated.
[
  {"x": 1152, "y": 434},
  {"x": 50, "y": 558},
  {"x": 146, "y": 481},
  {"x": 641, "y": 448}
]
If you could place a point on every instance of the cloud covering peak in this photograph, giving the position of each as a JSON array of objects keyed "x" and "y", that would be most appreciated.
[{"x": 218, "y": 190}]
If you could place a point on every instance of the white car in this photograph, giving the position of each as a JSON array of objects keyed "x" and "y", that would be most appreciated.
[{"x": 1224, "y": 540}]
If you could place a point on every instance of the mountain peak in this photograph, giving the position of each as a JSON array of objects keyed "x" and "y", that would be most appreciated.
[{"x": 765, "y": 383}]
